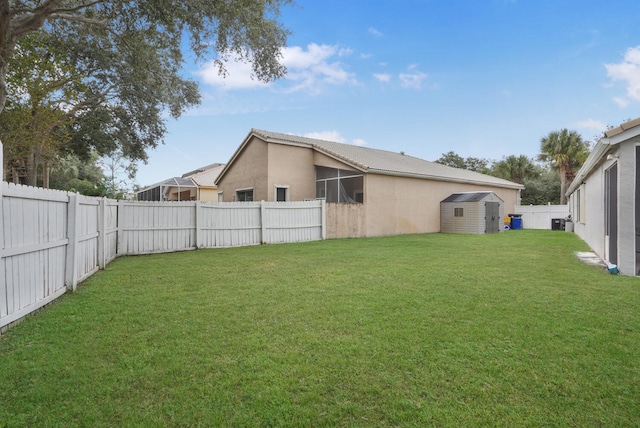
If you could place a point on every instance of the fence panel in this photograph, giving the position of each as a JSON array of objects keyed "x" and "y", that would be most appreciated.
[
  {"x": 87, "y": 218},
  {"x": 111, "y": 230},
  {"x": 292, "y": 221},
  {"x": 35, "y": 241},
  {"x": 539, "y": 216},
  {"x": 230, "y": 224},
  {"x": 156, "y": 227}
]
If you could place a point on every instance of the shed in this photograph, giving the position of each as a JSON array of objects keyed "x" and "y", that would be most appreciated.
[{"x": 471, "y": 212}]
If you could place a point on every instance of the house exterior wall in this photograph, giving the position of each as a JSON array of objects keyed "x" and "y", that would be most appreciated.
[
  {"x": 345, "y": 220},
  {"x": 248, "y": 171},
  {"x": 626, "y": 208},
  {"x": 589, "y": 203},
  {"x": 291, "y": 167},
  {"x": 208, "y": 194},
  {"x": 286, "y": 166},
  {"x": 587, "y": 211},
  {"x": 398, "y": 205}
]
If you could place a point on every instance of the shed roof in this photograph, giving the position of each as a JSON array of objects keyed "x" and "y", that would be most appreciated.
[
  {"x": 467, "y": 197},
  {"x": 377, "y": 161}
]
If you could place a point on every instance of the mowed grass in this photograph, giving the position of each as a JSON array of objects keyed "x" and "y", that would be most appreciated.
[{"x": 419, "y": 330}]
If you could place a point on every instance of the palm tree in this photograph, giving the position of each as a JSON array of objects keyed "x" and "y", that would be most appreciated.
[
  {"x": 516, "y": 168},
  {"x": 566, "y": 151}
]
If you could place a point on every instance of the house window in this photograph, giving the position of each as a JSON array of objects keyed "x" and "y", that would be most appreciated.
[
  {"x": 282, "y": 193},
  {"x": 244, "y": 195},
  {"x": 577, "y": 216},
  {"x": 458, "y": 212},
  {"x": 220, "y": 197},
  {"x": 339, "y": 185}
]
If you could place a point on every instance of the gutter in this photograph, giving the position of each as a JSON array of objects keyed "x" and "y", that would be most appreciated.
[{"x": 516, "y": 186}]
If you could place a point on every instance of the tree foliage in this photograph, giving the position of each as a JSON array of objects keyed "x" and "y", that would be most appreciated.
[
  {"x": 541, "y": 189},
  {"x": 515, "y": 168},
  {"x": 77, "y": 175},
  {"x": 454, "y": 160},
  {"x": 104, "y": 74},
  {"x": 566, "y": 152}
]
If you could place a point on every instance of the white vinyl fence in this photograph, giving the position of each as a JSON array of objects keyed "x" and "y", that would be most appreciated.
[
  {"x": 51, "y": 240},
  {"x": 540, "y": 216}
]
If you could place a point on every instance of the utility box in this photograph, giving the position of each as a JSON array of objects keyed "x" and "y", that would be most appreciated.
[{"x": 557, "y": 224}]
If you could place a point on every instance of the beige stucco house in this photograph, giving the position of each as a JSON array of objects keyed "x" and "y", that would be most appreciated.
[
  {"x": 369, "y": 192},
  {"x": 604, "y": 198}
]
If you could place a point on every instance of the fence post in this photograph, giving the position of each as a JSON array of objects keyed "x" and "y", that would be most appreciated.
[
  {"x": 3, "y": 279},
  {"x": 71, "y": 271},
  {"x": 323, "y": 209},
  {"x": 102, "y": 231},
  {"x": 198, "y": 224},
  {"x": 263, "y": 227},
  {"x": 120, "y": 240}
]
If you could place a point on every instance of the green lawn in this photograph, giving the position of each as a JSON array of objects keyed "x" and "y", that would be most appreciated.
[{"x": 419, "y": 330}]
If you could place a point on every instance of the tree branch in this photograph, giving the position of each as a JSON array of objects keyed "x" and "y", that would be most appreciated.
[{"x": 67, "y": 17}]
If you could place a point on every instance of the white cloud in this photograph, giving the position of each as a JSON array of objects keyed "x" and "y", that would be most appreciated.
[
  {"x": 375, "y": 32},
  {"x": 311, "y": 68},
  {"x": 591, "y": 124},
  {"x": 622, "y": 102},
  {"x": 412, "y": 80},
  {"x": 359, "y": 142},
  {"x": 628, "y": 71},
  {"x": 382, "y": 77},
  {"x": 239, "y": 75},
  {"x": 334, "y": 136}
]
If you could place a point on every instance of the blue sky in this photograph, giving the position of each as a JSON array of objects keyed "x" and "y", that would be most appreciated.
[{"x": 484, "y": 78}]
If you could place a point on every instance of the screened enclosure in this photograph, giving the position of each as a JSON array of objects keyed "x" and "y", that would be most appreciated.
[{"x": 339, "y": 185}]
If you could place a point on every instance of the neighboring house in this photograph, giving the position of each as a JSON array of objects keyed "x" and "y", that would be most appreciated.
[
  {"x": 197, "y": 185},
  {"x": 205, "y": 180},
  {"x": 604, "y": 198},
  {"x": 369, "y": 192}
]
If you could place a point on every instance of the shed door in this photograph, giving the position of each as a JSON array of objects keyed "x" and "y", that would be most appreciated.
[{"x": 492, "y": 217}]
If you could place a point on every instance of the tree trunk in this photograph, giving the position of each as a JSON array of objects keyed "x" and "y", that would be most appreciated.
[
  {"x": 6, "y": 49},
  {"x": 563, "y": 185},
  {"x": 45, "y": 175},
  {"x": 32, "y": 170}
]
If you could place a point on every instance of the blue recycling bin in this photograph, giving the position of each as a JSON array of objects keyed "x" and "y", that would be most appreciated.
[{"x": 516, "y": 221}]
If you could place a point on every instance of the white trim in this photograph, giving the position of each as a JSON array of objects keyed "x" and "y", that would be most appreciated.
[
  {"x": 244, "y": 189},
  {"x": 275, "y": 192}
]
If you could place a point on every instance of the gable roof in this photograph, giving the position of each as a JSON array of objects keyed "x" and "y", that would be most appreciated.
[
  {"x": 205, "y": 176},
  {"x": 202, "y": 169},
  {"x": 377, "y": 161},
  {"x": 467, "y": 197}
]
